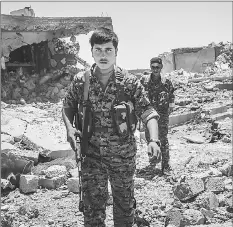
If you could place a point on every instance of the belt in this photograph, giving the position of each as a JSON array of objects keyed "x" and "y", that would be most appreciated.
[{"x": 103, "y": 129}]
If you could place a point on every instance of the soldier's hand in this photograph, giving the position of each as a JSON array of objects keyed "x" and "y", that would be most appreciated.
[
  {"x": 154, "y": 153},
  {"x": 72, "y": 133}
]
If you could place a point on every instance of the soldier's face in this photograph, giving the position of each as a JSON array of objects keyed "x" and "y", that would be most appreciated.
[
  {"x": 104, "y": 55},
  {"x": 156, "y": 68}
]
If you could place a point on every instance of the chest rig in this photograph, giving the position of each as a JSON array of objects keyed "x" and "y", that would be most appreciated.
[{"x": 124, "y": 120}]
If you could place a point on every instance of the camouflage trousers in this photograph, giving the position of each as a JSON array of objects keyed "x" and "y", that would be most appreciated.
[
  {"x": 163, "y": 132},
  {"x": 97, "y": 170}
]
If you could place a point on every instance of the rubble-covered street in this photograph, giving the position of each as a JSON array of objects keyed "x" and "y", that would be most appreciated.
[{"x": 40, "y": 179}]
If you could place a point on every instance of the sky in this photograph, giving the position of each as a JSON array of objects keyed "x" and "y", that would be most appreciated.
[{"x": 144, "y": 29}]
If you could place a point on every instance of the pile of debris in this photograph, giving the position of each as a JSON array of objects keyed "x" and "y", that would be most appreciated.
[{"x": 24, "y": 86}]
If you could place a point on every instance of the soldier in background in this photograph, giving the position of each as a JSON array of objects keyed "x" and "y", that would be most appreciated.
[
  {"x": 111, "y": 152},
  {"x": 161, "y": 95}
]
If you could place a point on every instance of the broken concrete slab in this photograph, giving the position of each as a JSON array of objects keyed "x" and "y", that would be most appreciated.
[
  {"x": 73, "y": 184},
  {"x": 28, "y": 183},
  {"x": 61, "y": 151},
  {"x": 188, "y": 189},
  {"x": 181, "y": 118},
  {"x": 41, "y": 137},
  {"x": 14, "y": 127},
  {"x": 215, "y": 110},
  {"x": 16, "y": 154},
  {"x": 52, "y": 183},
  {"x": 214, "y": 184}
]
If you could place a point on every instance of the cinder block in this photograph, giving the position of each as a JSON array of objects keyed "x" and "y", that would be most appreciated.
[
  {"x": 214, "y": 184},
  {"x": 28, "y": 183}
]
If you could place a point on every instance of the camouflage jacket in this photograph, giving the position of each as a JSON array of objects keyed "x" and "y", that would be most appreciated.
[
  {"x": 160, "y": 93},
  {"x": 102, "y": 100}
]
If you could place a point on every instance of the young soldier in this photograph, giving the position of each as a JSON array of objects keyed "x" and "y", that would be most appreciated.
[
  {"x": 111, "y": 146},
  {"x": 161, "y": 95}
]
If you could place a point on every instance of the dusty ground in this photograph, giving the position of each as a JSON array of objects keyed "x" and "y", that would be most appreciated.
[{"x": 153, "y": 192}]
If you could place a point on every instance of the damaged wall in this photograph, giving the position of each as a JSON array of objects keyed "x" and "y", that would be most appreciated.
[
  {"x": 13, "y": 40},
  {"x": 55, "y": 61},
  {"x": 193, "y": 61},
  {"x": 189, "y": 59}
]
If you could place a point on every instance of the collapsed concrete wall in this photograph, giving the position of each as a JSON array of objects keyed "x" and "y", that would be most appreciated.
[
  {"x": 195, "y": 61},
  {"x": 168, "y": 63},
  {"x": 37, "y": 64}
]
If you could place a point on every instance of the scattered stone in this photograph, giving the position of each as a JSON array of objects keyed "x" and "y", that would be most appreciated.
[
  {"x": 16, "y": 94},
  {"x": 173, "y": 218},
  {"x": 73, "y": 184},
  {"x": 30, "y": 85},
  {"x": 5, "y": 208},
  {"x": 3, "y": 105},
  {"x": 25, "y": 92},
  {"x": 14, "y": 127},
  {"x": 188, "y": 189},
  {"x": 229, "y": 202},
  {"x": 28, "y": 183},
  {"x": 74, "y": 172},
  {"x": 214, "y": 184},
  {"x": 55, "y": 171},
  {"x": 207, "y": 200},
  {"x": 226, "y": 139},
  {"x": 228, "y": 184},
  {"x": 194, "y": 139},
  {"x": 52, "y": 183},
  {"x": 227, "y": 169},
  {"x": 215, "y": 172},
  {"x": 6, "y": 184},
  {"x": 207, "y": 213},
  {"x": 192, "y": 217},
  {"x": 6, "y": 138}
]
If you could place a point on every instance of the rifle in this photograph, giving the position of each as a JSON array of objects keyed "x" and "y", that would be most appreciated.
[{"x": 83, "y": 138}]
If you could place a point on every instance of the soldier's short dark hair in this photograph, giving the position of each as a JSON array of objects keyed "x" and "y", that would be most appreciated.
[
  {"x": 103, "y": 35},
  {"x": 156, "y": 60}
]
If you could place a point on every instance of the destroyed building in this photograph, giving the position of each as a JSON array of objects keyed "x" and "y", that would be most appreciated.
[
  {"x": 193, "y": 59},
  {"x": 36, "y": 63}
]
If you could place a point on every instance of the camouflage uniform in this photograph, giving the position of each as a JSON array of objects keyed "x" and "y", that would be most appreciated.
[
  {"x": 109, "y": 156},
  {"x": 161, "y": 94}
]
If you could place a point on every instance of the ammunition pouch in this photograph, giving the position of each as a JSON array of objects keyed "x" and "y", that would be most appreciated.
[{"x": 124, "y": 118}]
